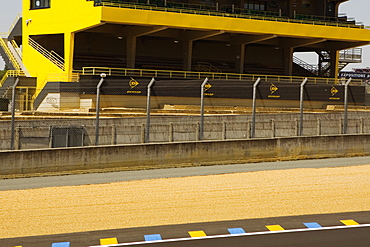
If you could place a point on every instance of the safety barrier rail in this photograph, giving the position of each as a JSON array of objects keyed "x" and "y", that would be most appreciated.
[
  {"x": 63, "y": 77},
  {"x": 9, "y": 54},
  {"x": 209, "y": 75},
  {"x": 14, "y": 22},
  {"x": 153, "y": 7},
  {"x": 50, "y": 55},
  {"x": 4, "y": 35},
  {"x": 351, "y": 55},
  {"x": 312, "y": 68},
  {"x": 11, "y": 73},
  {"x": 16, "y": 47}
]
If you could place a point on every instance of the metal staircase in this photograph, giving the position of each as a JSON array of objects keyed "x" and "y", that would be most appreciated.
[
  {"x": 323, "y": 68},
  {"x": 52, "y": 56},
  {"x": 9, "y": 58}
]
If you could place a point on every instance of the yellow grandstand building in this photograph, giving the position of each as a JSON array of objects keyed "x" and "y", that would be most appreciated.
[{"x": 58, "y": 44}]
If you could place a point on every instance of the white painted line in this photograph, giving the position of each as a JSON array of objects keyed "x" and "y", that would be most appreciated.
[{"x": 235, "y": 235}]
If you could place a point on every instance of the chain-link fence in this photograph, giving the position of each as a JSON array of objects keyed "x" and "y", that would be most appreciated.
[{"x": 148, "y": 110}]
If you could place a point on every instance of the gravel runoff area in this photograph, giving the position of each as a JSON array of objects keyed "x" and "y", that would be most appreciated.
[{"x": 166, "y": 201}]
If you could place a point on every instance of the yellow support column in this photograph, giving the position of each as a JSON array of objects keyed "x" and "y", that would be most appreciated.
[
  {"x": 239, "y": 58},
  {"x": 288, "y": 61},
  {"x": 131, "y": 52},
  {"x": 188, "y": 54},
  {"x": 334, "y": 62},
  {"x": 69, "y": 41}
]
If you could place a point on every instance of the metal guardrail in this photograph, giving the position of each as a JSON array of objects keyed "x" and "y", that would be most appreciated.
[
  {"x": 16, "y": 47},
  {"x": 351, "y": 55},
  {"x": 14, "y": 22},
  {"x": 63, "y": 77},
  {"x": 4, "y": 35},
  {"x": 9, "y": 54},
  {"x": 50, "y": 55},
  {"x": 11, "y": 73},
  {"x": 153, "y": 7},
  {"x": 310, "y": 67},
  {"x": 209, "y": 75}
]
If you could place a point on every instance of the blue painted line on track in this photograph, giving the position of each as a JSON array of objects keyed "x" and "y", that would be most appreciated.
[
  {"x": 236, "y": 230},
  {"x": 62, "y": 244},
  {"x": 312, "y": 225},
  {"x": 153, "y": 237}
]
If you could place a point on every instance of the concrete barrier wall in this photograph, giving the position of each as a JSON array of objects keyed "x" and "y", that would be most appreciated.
[
  {"x": 178, "y": 154},
  {"x": 38, "y": 134}
]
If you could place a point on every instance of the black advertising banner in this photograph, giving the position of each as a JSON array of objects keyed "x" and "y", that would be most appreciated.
[
  {"x": 116, "y": 85},
  {"x": 334, "y": 93},
  {"x": 229, "y": 89},
  {"x": 279, "y": 91},
  {"x": 177, "y": 88}
]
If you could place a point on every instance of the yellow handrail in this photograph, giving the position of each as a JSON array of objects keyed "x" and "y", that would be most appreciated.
[
  {"x": 9, "y": 54},
  {"x": 16, "y": 47},
  {"x": 14, "y": 22},
  {"x": 63, "y": 77},
  {"x": 11, "y": 73},
  {"x": 50, "y": 55},
  {"x": 210, "y": 75}
]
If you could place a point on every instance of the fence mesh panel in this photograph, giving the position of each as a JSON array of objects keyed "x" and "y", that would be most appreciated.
[{"x": 66, "y": 113}]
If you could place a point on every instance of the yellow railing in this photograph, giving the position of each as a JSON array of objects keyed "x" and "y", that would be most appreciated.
[
  {"x": 231, "y": 15},
  {"x": 9, "y": 54},
  {"x": 11, "y": 73},
  {"x": 24, "y": 101},
  {"x": 63, "y": 77},
  {"x": 58, "y": 77},
  {"x": 14, "y": 22},
  {"x": 50, "y": 55},
  {"x": 209, "y": 75},
  {"x": 16, "y": 47}
]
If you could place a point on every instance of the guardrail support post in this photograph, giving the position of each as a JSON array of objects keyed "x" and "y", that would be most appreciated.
[
  {"x": 147, "y": 132},
  {"x": 301, "y": 107},
  {"x": 13, "y": 114},
  {"x": 98, "y": 108},
  {"x": 201, "y": 127},
  {"x": 253, "y": 127},
  {"x": 345, "y": 123}
]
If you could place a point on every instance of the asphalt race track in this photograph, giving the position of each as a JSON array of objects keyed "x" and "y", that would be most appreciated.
[
  {"x": 336, "y": 229},
  {"x": 358, "y": 236}
]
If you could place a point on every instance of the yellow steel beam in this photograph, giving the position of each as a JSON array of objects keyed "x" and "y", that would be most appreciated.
[{"x": 232, "y": 25}]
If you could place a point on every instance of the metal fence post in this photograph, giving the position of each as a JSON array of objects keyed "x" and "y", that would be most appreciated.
[
  {"x": 147, "y": 132},
  {"x": 98, "y": 108},
  {"x": 301, "y": 107},
  {"x": 114, "y": 135},
  {"x": 223, "y": 130},
  {"x": 13, "y": 114},
  {"x": 201, "y": 127},
  {"x": 170, "y": 132},
  {"x": 253, "y": 127},
  {"x": 142, "y": 133},
  {"x": 345, "y": 123},
  {"x": 197, "y": 132}
]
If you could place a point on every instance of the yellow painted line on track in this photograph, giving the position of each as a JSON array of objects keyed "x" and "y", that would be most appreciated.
[
  {"x": 197, "y": 234},
  {"x": 105, "y": 241},
  {"x": 275, "y": 228},
  {"x": 349, "y": 222}
]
